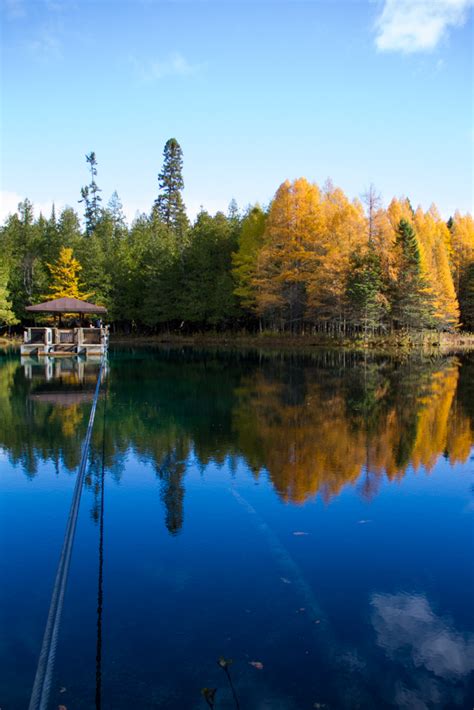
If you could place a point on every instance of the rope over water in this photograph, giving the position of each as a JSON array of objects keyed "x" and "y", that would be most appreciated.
[{"x": 44, "y": 672}]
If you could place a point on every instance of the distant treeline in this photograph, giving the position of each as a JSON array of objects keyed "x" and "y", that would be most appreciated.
[{"x": 312, "y": 261}]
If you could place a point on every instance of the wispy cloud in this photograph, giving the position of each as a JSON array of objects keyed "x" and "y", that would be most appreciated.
[
  {"x": 418, "y": 25},
  {"x": 174, "y": 65}
]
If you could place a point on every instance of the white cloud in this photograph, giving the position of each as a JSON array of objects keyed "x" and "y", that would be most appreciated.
[
  {"x": 418, "y": 25},
  {"x": 407, "y": 622},
  {"x": 174, "y": 65},
  {"x": 9, "y": 202}
]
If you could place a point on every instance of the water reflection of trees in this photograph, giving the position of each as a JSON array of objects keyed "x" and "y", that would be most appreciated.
[{"x": 312, "y": 424}]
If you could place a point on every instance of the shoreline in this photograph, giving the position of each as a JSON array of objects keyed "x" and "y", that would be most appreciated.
[{"x": 430, "y": 343}]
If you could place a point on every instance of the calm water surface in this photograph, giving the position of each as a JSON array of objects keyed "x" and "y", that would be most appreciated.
[{"x": 308, "y": 517}]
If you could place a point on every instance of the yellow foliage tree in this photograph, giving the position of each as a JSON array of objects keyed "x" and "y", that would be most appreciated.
[
  {"x": 293, "y": 221},
  {"x": 65, "y": 277},
  {"x": 341, "y": 231},
  {"x": 435, "y": 241}
]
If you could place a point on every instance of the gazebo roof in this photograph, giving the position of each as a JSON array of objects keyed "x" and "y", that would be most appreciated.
[{"x": 66, "y": 305}]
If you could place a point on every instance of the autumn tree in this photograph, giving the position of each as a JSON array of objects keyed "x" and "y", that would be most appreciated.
[
  {"x": 340, "y": 231},
  {"x": 65, "y": 277},
  {"x": 434, "y": 238},
  {"x": 169, "y": 204},
  {"x": 287, "y": 254}
]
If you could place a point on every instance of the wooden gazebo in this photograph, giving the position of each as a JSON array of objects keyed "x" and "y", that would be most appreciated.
[{"x": 66, "y": 341}]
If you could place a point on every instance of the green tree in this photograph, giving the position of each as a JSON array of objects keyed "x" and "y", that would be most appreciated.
[
  {"x": 169, "y": 204},
  {"x": 411, "y": 298},
  {"x": 90, "y": 197},
  {"x": 244, "y": 260},
  {"x": 7, "y": 316},
  {"x": 22, "y": 250},
  {"x": 115, "y": 210},
  {"x": 367, "y": 304},
  {"x": 162, "y": 271},
  {"x": 208, "y": 296}
]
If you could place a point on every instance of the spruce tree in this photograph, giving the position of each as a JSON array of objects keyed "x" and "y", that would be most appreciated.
[
  {"x": 169, "y": 204},
  {"x": 412, "y": 300},
  {"x": 90, "y": 196}
]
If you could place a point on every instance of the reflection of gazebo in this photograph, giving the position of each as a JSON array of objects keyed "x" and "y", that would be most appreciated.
[
  {"x": 62, "y": 381},
  {"x": 66, "y": 341}
]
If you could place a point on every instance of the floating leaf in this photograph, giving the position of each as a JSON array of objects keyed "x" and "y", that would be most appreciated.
[{"x": 224, "y": 662}]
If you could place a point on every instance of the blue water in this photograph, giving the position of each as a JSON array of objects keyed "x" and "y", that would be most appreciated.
[{"x": 308, "y": 517}]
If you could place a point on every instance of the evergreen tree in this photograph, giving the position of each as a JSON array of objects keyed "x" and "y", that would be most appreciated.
[
  {"x": 411, "y": 299},
  {"x": 7, "y": 316},
  {"x": 169, "y": 204},
  {"x": 115, "y": 210},
  {"x": 21, "y": 250},
  {"x": 208, "y": 291},
  {"x": 367, "y": 304},
  {"x": 90, "y": 196}
]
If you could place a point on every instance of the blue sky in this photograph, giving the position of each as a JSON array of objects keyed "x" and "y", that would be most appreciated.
[{"x": 255, "y": 92}]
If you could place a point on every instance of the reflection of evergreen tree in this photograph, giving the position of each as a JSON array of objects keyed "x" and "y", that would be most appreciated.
[{"x": 171, "y": 473}]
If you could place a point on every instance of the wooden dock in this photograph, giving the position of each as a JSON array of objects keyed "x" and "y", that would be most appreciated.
[{"x": 65, "y": 342}]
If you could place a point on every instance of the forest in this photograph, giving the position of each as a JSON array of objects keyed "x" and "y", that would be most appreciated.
[{"x": 312, "y": 261}]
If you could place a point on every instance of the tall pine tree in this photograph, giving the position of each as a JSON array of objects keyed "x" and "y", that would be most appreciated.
[
  {"x": 169, "y": 204},
  {"x": 90, "y": 196}
]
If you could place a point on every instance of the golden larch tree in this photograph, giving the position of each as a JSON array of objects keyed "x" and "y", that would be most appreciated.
[
  {"x": 65, "y": 277},
  {"x": 342, "y": 230},
  {"x": 280, "y": 281}
]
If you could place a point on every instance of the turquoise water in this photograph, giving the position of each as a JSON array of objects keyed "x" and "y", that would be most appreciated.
[{"x": 308, "y": 517}]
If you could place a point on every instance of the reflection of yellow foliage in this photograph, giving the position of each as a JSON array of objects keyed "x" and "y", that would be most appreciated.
[
  {"x": 318, "y": 446},
  {"x": 70, "y": 417}
]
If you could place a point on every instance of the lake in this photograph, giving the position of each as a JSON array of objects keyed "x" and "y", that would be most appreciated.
[{"x": 307, "y": 516}]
